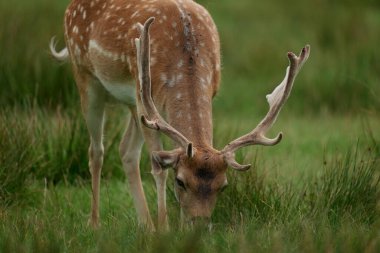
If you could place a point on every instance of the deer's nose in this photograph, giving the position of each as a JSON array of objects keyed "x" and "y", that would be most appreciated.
[{"x": 201, "y": 222}]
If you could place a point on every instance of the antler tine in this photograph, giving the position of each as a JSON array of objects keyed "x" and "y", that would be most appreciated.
[
  {"x": 143, "y": 64},
  {"x": 276, "y": 100}
]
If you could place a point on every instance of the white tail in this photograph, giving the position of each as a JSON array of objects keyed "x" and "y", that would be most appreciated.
[{"x": 62, "y": 55}]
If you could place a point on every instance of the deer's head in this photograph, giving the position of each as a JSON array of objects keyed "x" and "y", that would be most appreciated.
[
  {"x": 200, "y": 172},
  {"x": 200, "y": 176}
]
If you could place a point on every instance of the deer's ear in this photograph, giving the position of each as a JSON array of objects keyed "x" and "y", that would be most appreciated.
[
  {"x": 164, "y": 159},
  {"x": 190, "y": 151}
]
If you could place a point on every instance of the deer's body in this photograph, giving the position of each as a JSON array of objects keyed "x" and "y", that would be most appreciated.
[
  {"x": 185, "y": 58},
  {"x": 173, "y": 69}
]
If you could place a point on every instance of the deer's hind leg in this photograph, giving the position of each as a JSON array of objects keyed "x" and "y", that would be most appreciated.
[{"x": 93, "y": 99}]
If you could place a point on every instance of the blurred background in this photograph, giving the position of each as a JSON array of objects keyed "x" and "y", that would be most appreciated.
[{"x": 341, "y": 77}]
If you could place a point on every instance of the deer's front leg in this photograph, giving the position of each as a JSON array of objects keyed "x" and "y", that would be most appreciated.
[
  {"x": 130, "y": 151},
  {"x": 154, "y": 144},
  {"x": 160, "y": 179}
]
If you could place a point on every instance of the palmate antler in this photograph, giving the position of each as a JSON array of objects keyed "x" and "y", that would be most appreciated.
[
  {"x": 276, "y": 100},
  {"x": 155, "y": 121}
]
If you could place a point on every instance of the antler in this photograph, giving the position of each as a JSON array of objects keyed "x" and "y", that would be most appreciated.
[
  {"x": 143, "y": 64},
  {"x": 276, "y": 100}
]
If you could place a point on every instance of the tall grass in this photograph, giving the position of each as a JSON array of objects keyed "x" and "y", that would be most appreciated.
[{"x": 335, "y": 211}]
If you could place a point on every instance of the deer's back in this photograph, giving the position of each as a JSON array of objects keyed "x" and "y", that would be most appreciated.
[{"x": 184, "y": 43}]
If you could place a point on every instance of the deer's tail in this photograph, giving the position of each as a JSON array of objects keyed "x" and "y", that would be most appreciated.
[{"x": 62, "y": 55}]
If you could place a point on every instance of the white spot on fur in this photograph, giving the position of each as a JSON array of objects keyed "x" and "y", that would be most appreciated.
[
  {"x": 75, "y": 29},
  {"x": 171, "y": 82},
  {"x": 179, "y": 95},
  {"x": 153, "y": 61},
  {"x": 202, "y": 80},
  {"x": 77, "y": 51},
  {"x": 84, "y": 15},
  {"x": 209, "y": 78},
  {"x": 93, "y": 45},
  {"x": 180, "y": 63},
  {"x": 163, "y": 77},
  {"x": 135, "y": 14}
]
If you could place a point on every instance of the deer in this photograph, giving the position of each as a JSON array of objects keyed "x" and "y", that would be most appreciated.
[{"x": 161, "y": 59}]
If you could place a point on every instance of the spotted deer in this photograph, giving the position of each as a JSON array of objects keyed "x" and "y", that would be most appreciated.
[{"x": 168, "y": 66}]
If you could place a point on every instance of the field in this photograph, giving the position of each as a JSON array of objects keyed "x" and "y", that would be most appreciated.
[{"x": 317, "y": 191}]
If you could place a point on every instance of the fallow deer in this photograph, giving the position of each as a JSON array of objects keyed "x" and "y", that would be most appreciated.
[{"x": 170, "y": 68}]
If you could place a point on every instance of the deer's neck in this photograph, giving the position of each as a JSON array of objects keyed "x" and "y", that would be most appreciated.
[{"x": 189, "y": 110}]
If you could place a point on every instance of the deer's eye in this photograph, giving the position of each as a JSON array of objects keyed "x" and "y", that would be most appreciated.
[{"x": 180, "y": 183}]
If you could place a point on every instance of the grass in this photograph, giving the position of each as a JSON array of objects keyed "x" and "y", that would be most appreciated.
[
  {"x": 317, "y": 191},
  {"x": 335, "y": 210}
]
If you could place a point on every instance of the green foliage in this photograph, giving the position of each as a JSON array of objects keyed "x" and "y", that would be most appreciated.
[
  {"x": 348, "y": 186},
  {"x": 26, "y": 69},
  {"x": 16, "y": 159}
]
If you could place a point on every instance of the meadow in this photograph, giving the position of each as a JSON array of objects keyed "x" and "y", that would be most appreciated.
[{"x": 317, "y": 191}]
